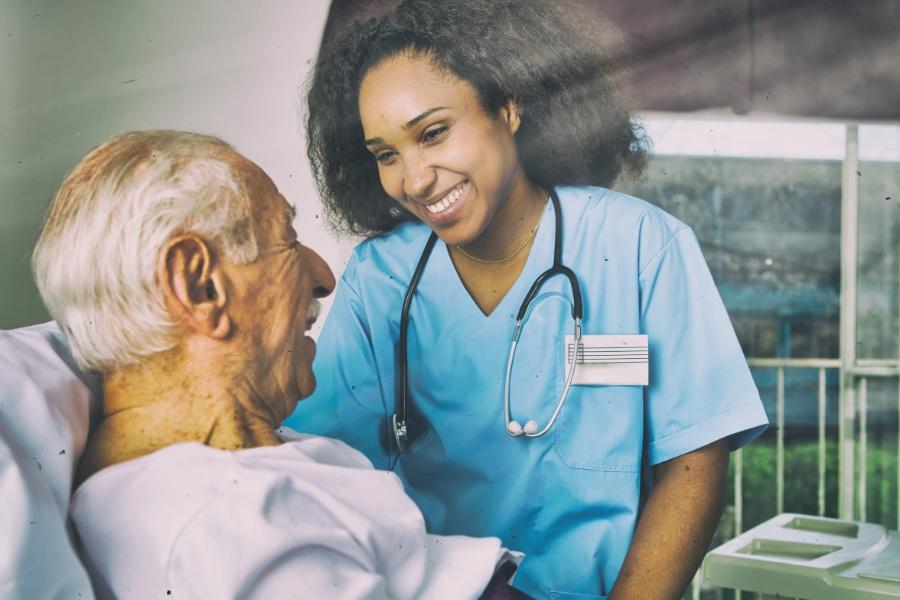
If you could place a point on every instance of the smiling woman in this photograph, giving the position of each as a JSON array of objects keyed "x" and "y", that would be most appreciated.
[
  {"x": 574, "y": 126},
  {"x": 450, "y": 126},
  {"x": 451, "y": 164}
]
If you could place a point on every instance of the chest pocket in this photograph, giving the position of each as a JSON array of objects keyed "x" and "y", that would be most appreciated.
[{"x": 601, "y": 428}]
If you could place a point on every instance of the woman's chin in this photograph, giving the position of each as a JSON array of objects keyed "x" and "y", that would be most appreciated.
[{"x": 459, "y": 233}]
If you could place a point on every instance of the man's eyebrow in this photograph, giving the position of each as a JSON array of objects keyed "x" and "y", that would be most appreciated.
[
  {"x": 408, "y": 125},
  {"x": 291, "y": 214}
]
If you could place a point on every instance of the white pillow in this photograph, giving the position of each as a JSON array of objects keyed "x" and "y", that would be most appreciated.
[{"x": 46, "y": 405}]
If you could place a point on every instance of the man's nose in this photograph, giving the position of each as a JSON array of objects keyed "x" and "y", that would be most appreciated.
[
  {"x": 322, "y": 277},
  {"x": 418, "y": 176}
]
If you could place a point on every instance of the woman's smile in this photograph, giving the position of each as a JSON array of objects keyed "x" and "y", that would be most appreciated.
[{"x": 447, "y": 207}]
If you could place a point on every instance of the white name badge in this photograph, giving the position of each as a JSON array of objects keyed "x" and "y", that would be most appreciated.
[{"x": 609, "y": 360}]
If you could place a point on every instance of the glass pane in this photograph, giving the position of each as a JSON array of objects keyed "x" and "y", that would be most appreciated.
[
  {"x": 881, "y": 451},
  {"x": 768, "y": 221},
  {"x": 801, "y": 441},
  {"x": 747, "y": 138},
  {"x": 878, "y": 322}
]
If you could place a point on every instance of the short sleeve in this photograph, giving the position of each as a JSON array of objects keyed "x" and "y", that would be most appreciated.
[
  {"x": 348, "y": 402},
  {"x": 701, "y": 389}
]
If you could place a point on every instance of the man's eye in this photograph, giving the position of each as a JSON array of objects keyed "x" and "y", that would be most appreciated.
[{"x": 431, "y": 135}]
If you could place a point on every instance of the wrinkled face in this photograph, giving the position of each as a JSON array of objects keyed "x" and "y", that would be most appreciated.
[
  {"x": 438, "y": 153},
  {"x": 277, "y": 303}
]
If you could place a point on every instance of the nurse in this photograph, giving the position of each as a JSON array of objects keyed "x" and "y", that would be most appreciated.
[{"x": 465, "y": 119}]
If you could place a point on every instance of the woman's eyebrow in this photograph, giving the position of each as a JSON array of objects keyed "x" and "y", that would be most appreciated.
[
  {"x": 408, "y": 125},
  {"x": 411, "y": 123}
]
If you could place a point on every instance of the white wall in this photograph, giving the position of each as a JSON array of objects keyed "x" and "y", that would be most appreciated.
[{"x": 75, "y": 73}]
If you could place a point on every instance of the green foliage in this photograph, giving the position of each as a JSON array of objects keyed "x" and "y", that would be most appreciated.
[{"x": 801, "y": 481}]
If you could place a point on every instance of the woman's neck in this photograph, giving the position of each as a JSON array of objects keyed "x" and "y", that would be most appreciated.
[
  {"x": 512, "y": 227},
  {"x": 490, "y": 265}
]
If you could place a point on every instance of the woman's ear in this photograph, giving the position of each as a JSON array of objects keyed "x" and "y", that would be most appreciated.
[
  {"x": 192, "y": 283},
  {"x": 509, "y": 112}
]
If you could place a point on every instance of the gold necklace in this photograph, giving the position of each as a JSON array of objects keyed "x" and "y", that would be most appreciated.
[{"x": 518, "y": 250}]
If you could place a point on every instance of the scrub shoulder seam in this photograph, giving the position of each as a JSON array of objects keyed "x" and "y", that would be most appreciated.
[{"x": 674, "y": 234}]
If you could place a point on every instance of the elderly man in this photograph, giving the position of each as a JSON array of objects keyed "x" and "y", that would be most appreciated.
[{"x": 171, "y": 265}]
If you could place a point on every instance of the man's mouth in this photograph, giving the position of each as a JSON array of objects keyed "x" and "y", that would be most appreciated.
[
  {"x": 449, "y": 199},
  {"x": 312, "y": 313}
]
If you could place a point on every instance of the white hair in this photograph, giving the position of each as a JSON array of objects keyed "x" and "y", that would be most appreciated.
[{"x": 96, "y": 259}]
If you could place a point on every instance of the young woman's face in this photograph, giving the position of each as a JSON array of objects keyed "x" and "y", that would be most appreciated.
[{"x": 438, "y": 153}]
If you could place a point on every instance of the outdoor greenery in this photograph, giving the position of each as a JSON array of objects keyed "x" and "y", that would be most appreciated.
[{"x": 801, "y": 477}]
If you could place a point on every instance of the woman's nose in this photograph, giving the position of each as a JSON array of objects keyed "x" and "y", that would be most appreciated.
[{"x": 418, "y": 177}]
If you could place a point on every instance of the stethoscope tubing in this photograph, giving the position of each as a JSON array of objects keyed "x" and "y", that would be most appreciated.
[
  {"x": 398, "y": 419},
  {"x": 507, "y": 416}
]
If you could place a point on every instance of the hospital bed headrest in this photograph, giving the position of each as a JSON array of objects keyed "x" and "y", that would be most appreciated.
[{"x": 46, "y": 405}]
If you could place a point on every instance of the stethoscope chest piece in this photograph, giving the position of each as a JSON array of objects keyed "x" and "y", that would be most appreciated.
[
  {"x": 515, "y": 429},
  {"x": 399, "y": 429}
]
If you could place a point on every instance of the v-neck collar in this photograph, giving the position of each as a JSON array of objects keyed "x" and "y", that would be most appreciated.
[{"x": 540, "y": 258}]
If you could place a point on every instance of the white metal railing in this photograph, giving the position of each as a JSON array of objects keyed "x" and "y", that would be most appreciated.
[
  {"x": 848, "y": 315},
  {"x": 822, "y": 365},
  {"x": 856, "y": 438},
  {"x": 860, "y": 376}
]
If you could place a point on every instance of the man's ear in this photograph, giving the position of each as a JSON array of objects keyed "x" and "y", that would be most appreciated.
[
  {"x": 509, "y": 112},
  {"x": 192, "y": 282}
]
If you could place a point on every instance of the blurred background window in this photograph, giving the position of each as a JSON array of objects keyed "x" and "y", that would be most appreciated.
[{"x": 766, "y": 200}]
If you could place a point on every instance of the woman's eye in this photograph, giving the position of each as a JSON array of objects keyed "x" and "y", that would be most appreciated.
[
  {"x": 433, "y": 134},
  {"x": 385, "y": 157}
]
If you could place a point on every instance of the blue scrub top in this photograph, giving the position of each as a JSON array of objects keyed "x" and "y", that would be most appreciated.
[{"x": 569, "y": 499}]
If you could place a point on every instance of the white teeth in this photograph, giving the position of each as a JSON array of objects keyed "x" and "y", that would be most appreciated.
[{"x": 448, "y": 201}]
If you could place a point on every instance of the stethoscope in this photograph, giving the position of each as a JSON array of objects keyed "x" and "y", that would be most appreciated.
[{"x": 513, "y": 428}]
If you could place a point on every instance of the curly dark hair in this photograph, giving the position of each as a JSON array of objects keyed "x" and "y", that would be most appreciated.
[{"x": 575, "y": 127}]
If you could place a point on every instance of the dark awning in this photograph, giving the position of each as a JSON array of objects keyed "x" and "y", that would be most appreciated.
[{"x": 837, "y": 59}]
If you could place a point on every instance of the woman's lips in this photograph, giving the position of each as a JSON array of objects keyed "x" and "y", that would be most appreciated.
[{"x": 446, "y": 209}]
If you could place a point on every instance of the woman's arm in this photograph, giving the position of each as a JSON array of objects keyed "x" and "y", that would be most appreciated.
[{"x": 676, "y": 525}]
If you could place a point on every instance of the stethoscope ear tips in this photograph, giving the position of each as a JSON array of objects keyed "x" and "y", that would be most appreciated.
[
  {"x": 514, "y": 428},
  {"x": 530, "y": 427}
]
